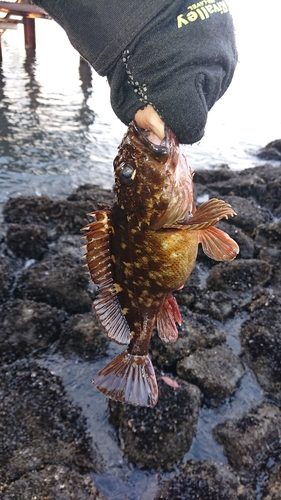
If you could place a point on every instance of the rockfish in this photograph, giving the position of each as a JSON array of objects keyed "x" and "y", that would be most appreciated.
[{"x": 141, "y": 250}]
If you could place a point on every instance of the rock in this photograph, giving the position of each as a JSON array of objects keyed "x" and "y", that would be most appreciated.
[
  {"x": 262, "y": 184},
  {"x": 272, "y": 151},
  {"x": 94, "y": 194},
  {"x": 272, "y": 485},
  {"x": 191, "y": 291},
  {"x": 70, "y": 245},
  {"x": 245, "y": 184},
  {"x": 83, "y": 336},
  {"x": 29, "y": 241},
  {"x": 219, "y": 305},
  {"x": 210, "y": 176},
  {"x": 54, "y": 482},
  {"x": 155, "y": 438},
  {"x": 238, "y": 280},
  {"x": 249, "y": 213},
  {"x": 272, "y": 177},
  {"x": 272, "y": 255},
  {"x": 269, "y": 153},
  {"x": 27, "y": 325},
  {"x": 204, "y": 480},
  {"x": 251, "y": 188},
  {"x": 239, "y": 275},
  {"x": 67, "y": 216},
  {"x": 216, "y": 371},
  {"x": 249, "y": 442},
  {"x": 245, "y": 243},
  {"x": 268, "y": 245},
  {"x": 28, "y": 210},
  {"x": 230, "y": 287},
  {"x": 261, "y": 343},
  {"x": 38, "y": 425},
  {"x": 196, "y": 331},
  {"x": 268, "y": 234},
  {"x": 60, "y": 282},
  {"x": 5, "y": 280}
]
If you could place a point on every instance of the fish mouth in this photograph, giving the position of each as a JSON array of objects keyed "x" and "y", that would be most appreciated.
[{"x": 157, "y": 146}]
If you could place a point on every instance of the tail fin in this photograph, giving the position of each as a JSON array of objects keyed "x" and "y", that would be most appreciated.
[{"x": 128, "y": 379}]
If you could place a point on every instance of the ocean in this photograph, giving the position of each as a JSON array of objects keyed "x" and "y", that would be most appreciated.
[{"x": 58, "y": 131}]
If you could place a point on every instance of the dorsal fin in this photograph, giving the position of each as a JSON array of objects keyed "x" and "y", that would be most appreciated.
[{"x": 106, "y": 306}]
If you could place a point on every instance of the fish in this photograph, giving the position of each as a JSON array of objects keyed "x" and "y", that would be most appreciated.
[{"x": 142, "y": 249}]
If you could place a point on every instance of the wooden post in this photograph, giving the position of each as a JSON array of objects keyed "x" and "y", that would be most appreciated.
[
  {"x": 1, "y": 49},
  {"x": 29, "y": 33}
]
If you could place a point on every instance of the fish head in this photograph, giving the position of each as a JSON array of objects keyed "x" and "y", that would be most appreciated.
[{"x": 153, "y": 181}]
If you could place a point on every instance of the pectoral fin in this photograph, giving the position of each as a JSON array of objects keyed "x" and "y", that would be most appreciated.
[
  {"x": 217, "y": 244},
  {"x": 209, "y": 213},
  {"x": 167, "y": 317},
  {"x": 106, "y": 306}
]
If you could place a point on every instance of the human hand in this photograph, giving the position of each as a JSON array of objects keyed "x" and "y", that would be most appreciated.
[{"x": 149, "y": 119}]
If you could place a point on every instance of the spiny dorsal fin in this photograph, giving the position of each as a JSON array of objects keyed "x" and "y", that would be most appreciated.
[{"x": 106, "y": 306}]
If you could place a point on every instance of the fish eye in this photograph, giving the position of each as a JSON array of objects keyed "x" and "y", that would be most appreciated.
[{"x": 127, "y": 173}]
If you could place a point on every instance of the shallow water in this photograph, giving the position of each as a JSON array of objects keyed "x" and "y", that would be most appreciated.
[{"x": 120, "y": 479}]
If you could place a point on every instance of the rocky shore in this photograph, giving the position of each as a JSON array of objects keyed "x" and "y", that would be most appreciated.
[{"x": 231, "y": 332}]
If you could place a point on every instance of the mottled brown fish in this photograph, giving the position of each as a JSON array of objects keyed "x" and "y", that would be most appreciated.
[{"x": 144, "y": 248}]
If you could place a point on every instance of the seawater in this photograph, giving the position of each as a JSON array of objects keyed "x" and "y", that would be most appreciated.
[{"x": 58, "y": 131}]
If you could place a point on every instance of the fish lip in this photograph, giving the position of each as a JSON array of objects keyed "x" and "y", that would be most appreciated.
[{"x": 158, "y": 149}]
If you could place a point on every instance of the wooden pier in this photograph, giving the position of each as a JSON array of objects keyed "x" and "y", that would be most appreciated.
[{"x": 21, "y": 12}]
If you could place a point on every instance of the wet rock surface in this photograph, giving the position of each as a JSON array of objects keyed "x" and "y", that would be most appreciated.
[
  {"x": 217, "y": 371},
  {"x": 26, "y": 326},
  {"x": 261, "y": 343},
  {"x": 207, "y": 480},
  {"x": 81, "y": 336},
  {"x": 155, "y": 438},
  {"x": 59, "y": 482},
  {"x": 46, "y": 320},
  {"x": 196, "y": 331},
  {"x": 59, "y": 282},
  {"x": 39, "y": 427},
  {"x": 251, "y": 441}
]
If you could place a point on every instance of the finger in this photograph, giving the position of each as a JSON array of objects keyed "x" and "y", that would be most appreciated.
[{"x": 149, "y": 119}]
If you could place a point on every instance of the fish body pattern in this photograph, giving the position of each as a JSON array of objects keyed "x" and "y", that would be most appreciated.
[{"x": 144, "y": 248}]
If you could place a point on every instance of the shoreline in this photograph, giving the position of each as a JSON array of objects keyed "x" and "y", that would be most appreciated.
[{"x": 226, "y": 362}]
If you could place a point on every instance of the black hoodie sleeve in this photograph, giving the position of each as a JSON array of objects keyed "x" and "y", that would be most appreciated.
[
  {"x": 101, "y": 29},
  {"x": 179, "y": 56}
]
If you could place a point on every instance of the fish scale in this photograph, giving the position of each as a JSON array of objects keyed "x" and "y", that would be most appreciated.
[{"x": 141, "y": 250}]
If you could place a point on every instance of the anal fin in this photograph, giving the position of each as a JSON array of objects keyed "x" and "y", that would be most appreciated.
[
  {"x": 128, "y": 379},
  {"x": 167, "y": 317}
]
